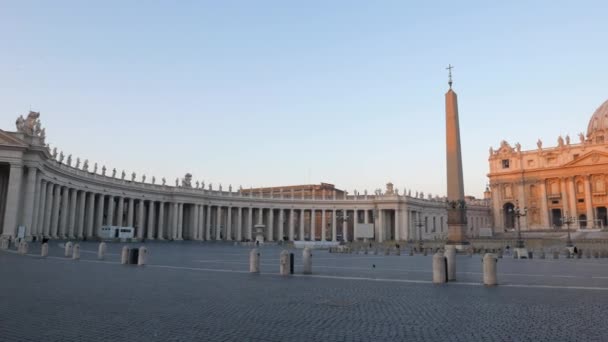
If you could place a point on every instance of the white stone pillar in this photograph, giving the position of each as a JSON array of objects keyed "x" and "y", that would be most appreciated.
[
  {"x": 250, "y": 223},
  {"x": 380, "y": 221},
  {"x": 90, "y": 214},
  {"x": 345, "y": 226},
  {"x": 29, "y": 201},
  {"x": 140, "y": 219},
  {"x": 81, "y": 211},
  {"x": 588, "y": 202},
  {"x": 100, "y": 210},
  {"x": 291, "y": 224},
  {"x": 55, "y": 214},
  {"x": 47, "y": 210},
  {"x": 111, "y": 205},
  {"x": 229, "y": 224},
  {"x": 270, "y": 234},
  {"x": 130, "y": 212},
  {"x": 523, "y": 221},
  {"x": 151, "y": 220},
  {"x": 65, "y": 208},
  {"x": 301, "y": 225},
  {"x": 72, "y": 223},
  {"x": 218, "y": 223},
  {"x": 120, "y": 212},
  {"x": 161, "y": 220},
  {"x": 564, "y": 199},
  {"x": 239, "y": 224},
  {"x": 366, "y": 216},
  {"x": 196, "y": 223},
  {"x": 572, "y": 197},
  {"x": 544, "y": 210},
  {"x": 334, "y": 228},
  {"x": 397, "y": 226},
  {"x": 208, "y": 223},
  {"x": 355, "y": 223},
  {"x": 281, "y": 236},
  {"x": 13, "y": 194},
  {"x": 40, "y": 208},
  {"x": 34, "y": 226},
  {"x": 323, "y": 224},
  {"x": 180, "y": 222},
  {"x": 313, "y": 227}
]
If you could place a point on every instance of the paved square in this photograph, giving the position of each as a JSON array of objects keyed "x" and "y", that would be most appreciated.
[{"x": 203, "y": 291}]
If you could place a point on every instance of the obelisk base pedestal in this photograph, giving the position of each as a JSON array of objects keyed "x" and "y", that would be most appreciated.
[{"x": 457, "y": 237}]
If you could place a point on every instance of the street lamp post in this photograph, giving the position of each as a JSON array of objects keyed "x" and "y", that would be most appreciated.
[
  {"x": 568, "y": 220},
  {"x": 518, "y": 213}
]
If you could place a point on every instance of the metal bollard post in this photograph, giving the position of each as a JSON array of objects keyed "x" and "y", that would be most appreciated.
[
  {"x": 101, "y": 251},
  {"x": 489, "y": 269},
  {"x": 76, "y": 252},
  {"x": 291, "y": 262},
  {"x": 254, "y": 261},
  {"x": 142, "y": 257},
  {"x": 450, "y": 254},
  {"x": 307, "y": 260},
  {"x": 68, "y": 249},
  {"x": 284, "y": 263},
  {"x": 124, "y": 255},
  {"x": 23, "y": 247},
  {"x": 44, "y": 250},
  {"x": 439, "y": 269}
]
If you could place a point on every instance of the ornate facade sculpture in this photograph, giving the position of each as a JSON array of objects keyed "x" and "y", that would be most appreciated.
[
  {"x": 164, "y": 180},
  {"x": 69, "y": 161},
  {"x": 54, "y": 152},
  {"x": 560, "y": 141},
  {"x": 581, "y": 137},
  {"x": 103, "y": 170},
  {"x": 518, "y": 147},
  {"x": 77, "y": 162},
  {"x": 210, "y": 186},
  {"x": 197, "y": 184},
  {"x": 133, "y": 175},
  {"x": 114, "y": 173},
  {"x": 187, "y": 181},
  {"x": 85, "y": 166},
  {"x": 143, "y": 178},
  {"x": 153, "y": 180},
  {"x": 539, "y": 144},
  {"x": 220, "y": 188},
  {"x": 123, "y": 175},
  {"x": 30, "y": 125},
  {"x": 176, "y": 182},
  {"x": 95, "y": 168},
  {"x": 567, "y": 139},
  {"x": 230, "y": 189},
  {"x": 61, "y": 156}
]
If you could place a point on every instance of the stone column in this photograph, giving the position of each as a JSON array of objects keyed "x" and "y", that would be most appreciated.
[
  {"x": 521, "y": 195},
  {"x": 313, "y": 228},
  {"x": 208, "y": 223},
  {"x": 201, "y": 222},
  {"x": 292, "y": 220},
  {"x": 65, "y": 208},
  {"x": 323, "y": 224},
  {"x": 130, "y": 211},
  {"x": 81, "y": 211},
  {"x": 151, "y": 220},
  {"x": 90, "y": 215},
  {"x": 55, "y": 214},
  {"x": 239, "y": 224},
  {"x": 380, "y": 221},
  {"x": 366, "y": 216},
  {"x": 180, "y": 221},
  {"x": 572, "y": 197},
  {"x": 120, "y": 212},
  {"x": 271, "y": 224},
  {"x": 565, "y": 209},
  {"x": 140, "y": 219},
  {"x": 100, "y": 209},
  {"x": 39, "y": 212},
  {"x": 110, "y": 219},
  {"x": 229, "y": 224},
  {"x": 37, "y": 203},
  {"x": 544, "y": 209},
  {"x": 13, "y": 195},
  {"x": 301, "y": 225},
  {"x": 345, "y": 227},
  {"x": 281, "y": 236},
  {"x": 397, "y": 226},
  {"x": 30, "y": 197},
  {"x": 355, "y": 223},
  {"x": 589, "y": 203},
  {"x": 250, "y": 223},
  {"x": 72, "y": 223},
  {"x": 196, "y": 223},
  {"x": 161, "y": 220},
  {"x": 334, "y": 229},
  {"x": 47, "y": 210},
  {"x": 218, "y": 223}
]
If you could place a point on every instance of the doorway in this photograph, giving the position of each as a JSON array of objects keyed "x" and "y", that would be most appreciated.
[
  {"x": 509, "y": 215},
  {"x": 556, "y": 218}
]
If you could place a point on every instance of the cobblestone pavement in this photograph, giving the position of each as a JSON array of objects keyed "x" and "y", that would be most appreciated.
[{"x": 203, "y": 292}]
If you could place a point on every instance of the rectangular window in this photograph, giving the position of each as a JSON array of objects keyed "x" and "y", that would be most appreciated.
[
  {"x": 530, "y": 162},
  {"x": 575, "y": 156},
  {"x": 581, "y": 200},
  {"x": 555, "y": 202},
  {"x": 505, "y": 163}
]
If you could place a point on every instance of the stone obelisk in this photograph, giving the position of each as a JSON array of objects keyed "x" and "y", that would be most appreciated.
[{"x": 457, "y": 214}]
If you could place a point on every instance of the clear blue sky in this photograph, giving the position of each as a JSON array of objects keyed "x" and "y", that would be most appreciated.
[{"x": 267, "y": 93}]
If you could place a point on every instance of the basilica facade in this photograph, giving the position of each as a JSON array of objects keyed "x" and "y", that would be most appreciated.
[
  {"x": 46, "y": 193},
  {"x": 553, "y": 186}
]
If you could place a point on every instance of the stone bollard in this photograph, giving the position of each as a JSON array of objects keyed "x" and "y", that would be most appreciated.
[
  {"x": 68, "y": 249},
  {"x": 44, "y": 250},
  {"x": 76, "y": 252},
  {"x": 23, "y": 247},
  {"x": 555, "y": 254},
  {"x": 307, "y": 260},
  {"x": 284, "y": 263},
  {"x": 489, "y": 269},
  {"x": 142, "y": 257},
  {"x": 254, "y": 261},
  {"x": 450, "y": 255},
  {"x": 439, "y": 269},
  {"x": 101, "y": 251},
  {"x": 124, "y": 255}
]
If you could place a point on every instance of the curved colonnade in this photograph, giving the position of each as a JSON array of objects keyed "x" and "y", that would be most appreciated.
[{"x": 53, "y": 199}]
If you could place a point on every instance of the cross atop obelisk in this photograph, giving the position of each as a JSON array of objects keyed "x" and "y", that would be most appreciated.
[
  {"x": 449, "y": 69},
  {"x": 457, "y": 214}
]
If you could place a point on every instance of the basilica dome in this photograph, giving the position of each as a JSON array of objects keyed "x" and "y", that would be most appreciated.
[{"x": 599, "y": 121}]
